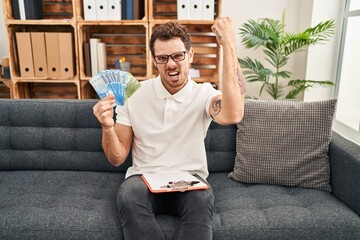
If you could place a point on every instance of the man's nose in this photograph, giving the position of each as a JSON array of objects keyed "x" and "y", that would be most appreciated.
[{"x": 171, "y": 62}]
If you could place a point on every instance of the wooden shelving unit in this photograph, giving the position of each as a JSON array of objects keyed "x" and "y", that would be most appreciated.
[
  {"x": 58, "y": 17},
  {"x": 123, "y": 38}
]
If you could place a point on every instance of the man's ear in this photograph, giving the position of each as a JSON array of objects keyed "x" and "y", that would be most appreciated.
[
  {"x": 155, "y": 64},
  {"x": 191, "y": 55}
]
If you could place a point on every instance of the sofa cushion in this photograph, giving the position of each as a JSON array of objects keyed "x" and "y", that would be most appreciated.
[
  {"x": 273, "y": 212},
  {"x": 285, "y": 143},
  {"x": 82, "y": 205},
  {"x": 41, "y": 134},
  {"x": 59, "y": 205}
]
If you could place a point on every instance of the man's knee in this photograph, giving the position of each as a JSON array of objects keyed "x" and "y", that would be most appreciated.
[
  {"x": 131, "y": 192},
  {"x": 200, "y": 201}
]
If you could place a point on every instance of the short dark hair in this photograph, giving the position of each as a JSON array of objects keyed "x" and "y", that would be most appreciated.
[{"x": 169, "y": 31}]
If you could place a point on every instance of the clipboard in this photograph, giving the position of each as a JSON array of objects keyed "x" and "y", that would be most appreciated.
[{"x": 178, "y": 181}]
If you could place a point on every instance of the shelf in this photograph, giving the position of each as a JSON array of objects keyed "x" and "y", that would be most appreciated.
[
  {"x": 13, "y": 51},
  {"x": 5, "y": 86},
  {"x": 49, "y": 90},
  {"x": 123, "y": 38},
  {"x": 40, "y": 22}
]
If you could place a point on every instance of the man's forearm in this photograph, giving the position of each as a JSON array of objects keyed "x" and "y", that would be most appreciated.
[
  {"x": 233, "y": 85},
  {"x": 113, "y": 148}
]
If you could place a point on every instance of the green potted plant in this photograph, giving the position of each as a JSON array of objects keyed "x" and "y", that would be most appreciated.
[{"x": 277, "y": 46}]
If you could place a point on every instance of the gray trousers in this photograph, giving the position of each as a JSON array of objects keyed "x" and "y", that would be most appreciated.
[{"x": 138, "y": 207}]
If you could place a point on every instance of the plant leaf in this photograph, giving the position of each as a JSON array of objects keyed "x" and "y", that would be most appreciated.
[
  {"x": 274, "y": 91},
  {"x": 318, "y": 34},
  {"x": 254, "y": 70},
  {"x": 322, "y": 31},
  {"x": 282, "y": 74},
  {"x": 309, "y": 83},
  {"x": 302, "y": 85},
  {"x": 253, "y": 36}
]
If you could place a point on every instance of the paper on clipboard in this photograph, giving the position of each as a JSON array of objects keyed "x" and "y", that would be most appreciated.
[{"x": 157, "y": 182}]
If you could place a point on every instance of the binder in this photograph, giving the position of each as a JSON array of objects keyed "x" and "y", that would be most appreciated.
[
  {"x": 101, "y": 10},
  {"x": 114, "y": 10},
  {"x": 129, "y": 9},
  {"x": 136, "y": 10},
  {"x": 208, "y": 9},
  {"x": 101, "y": 52},
  {"x": 94, "y": 56},
  {"x": 195, "y": 9},
  {"x": 33, "y": 9},
  {"x": 172, "y": 182},
  {"x": 52, "y": 54},
  {"x": 89, "y": 7},
  {"x": 66, "y": 54},
  {"x": 123, "y": 9},
  {"x": 39, "y": 54},
  {"x": 23, "y": 41},
  {"x": 183, "y": 9},
  {"x": 15, "y": 9},
  {"x": 87, "y": 59}
]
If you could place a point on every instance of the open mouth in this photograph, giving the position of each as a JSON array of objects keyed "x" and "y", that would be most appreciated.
[{"x": 174, "y": 74}]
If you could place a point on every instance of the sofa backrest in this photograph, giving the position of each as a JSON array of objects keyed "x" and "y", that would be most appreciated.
[{"x": 65, "y": 135}]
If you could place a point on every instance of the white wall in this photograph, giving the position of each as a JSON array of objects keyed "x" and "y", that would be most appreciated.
[
  {"x": 242, "y": 10},
  {"x": 322, "y": 59},
  {"x": 3, "y": 37}
]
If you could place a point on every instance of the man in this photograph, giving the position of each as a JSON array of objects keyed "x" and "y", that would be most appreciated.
[{"x": 165, "y": 122}]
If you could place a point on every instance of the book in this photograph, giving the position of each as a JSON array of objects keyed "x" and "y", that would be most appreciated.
[
  {"x": 120, "y": 83},
  {"x": 175, "y": 181}
]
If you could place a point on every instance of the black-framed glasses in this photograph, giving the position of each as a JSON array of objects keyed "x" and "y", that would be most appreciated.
[{"x": 176, "y": 57}]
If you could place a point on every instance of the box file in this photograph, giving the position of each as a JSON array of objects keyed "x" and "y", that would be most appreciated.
[
  {"x": 195, "y": 9},
  {"x": 101, "y": 9},
  {"x": 52, "y": 54},
  {"x": 89, "y": 7},
  {"x": 39, "y": 54},
  {"x": 66, "y": 50},
  {"x": 208, "y": 10},
  {"x": 23, "y": 40},
  {"x": 114, "y": 10},
  {"x": 183, "y": 9}
]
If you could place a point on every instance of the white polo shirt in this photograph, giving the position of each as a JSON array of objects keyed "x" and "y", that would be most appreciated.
[{"x": 169, "y": 130}]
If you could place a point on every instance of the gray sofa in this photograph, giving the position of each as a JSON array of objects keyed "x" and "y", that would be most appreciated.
[{"x": 55, "y": 183}]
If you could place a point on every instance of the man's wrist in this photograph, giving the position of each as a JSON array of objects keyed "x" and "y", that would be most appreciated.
[{"x": 107, "y": 128}]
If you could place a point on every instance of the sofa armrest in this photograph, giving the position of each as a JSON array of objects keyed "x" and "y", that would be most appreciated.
[{"x": 344, "y": 158}]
